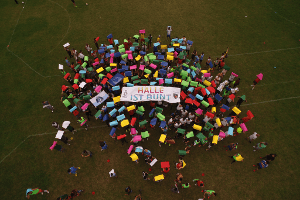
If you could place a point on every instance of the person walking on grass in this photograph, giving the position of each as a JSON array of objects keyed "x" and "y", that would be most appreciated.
[
  {"x": 209, "y": 193},
  {"x": 260, "y": 145},
  {"x": 237, "y": 157},
  {"x": 128, "y": 190},
  {"x": 30, "y": 192},
  {"x": 73, "y": 1},
  {"x": 46, "y": 104}
]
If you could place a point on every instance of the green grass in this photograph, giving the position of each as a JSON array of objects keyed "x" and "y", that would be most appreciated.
[{"x": 43, "y": 28}]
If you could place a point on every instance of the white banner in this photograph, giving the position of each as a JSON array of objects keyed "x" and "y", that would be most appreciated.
[
  {"x": 100, "y": 98},
  {"x": 151, "y": 93}
]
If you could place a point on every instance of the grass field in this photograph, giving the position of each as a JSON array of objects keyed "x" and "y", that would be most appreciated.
[{"x": 29, "y": 75}]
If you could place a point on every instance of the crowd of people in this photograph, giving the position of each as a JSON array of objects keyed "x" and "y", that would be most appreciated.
[{"x": 206, "y": 114}]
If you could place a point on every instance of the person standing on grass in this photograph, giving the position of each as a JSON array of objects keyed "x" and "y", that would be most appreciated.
[
  {"x": 103, "y": 145},
  {"x": 67, "y": 61},
  {"x": 232, "y": 146},
  {"x": 209, "y": 193},
  {"x": 86, "y": 153},
  {"x": 58, "y": 148},
  {"x": 145, "y": 176},
  {"x": 259, "y": 78},
  {"x": 175, "y": 189},
  {"x": 237, "y": 157},
  {"x": 138, "y": 197},
  {"x": 169, "y": 30},
  {"x": 208, "y": 61},
  {"x": 71, "y": 129},
  {"x": 260, "y": 145},
  {"x": 65, "y": 140},
  {"x": 201, "y": 57},
  {"x": 76, "y": 193},
  {"x": 96, "y": 43},
  {"x": 56, "y": 125},
  {"x": 73, "y": 170},
  {"x": 188, "y": 48},
  {"x": 253, "y": 137},
  {"x": 179, "y": 177},
  {"x": 185, "y": 186},
  {"x": 46, "y": 104},
  {"x": 30, "y": 192},
  {"x": 150, "y": 41},
  {"x": 241, "y": 100},
  {"x": 236, "y": 83},
  {"x": 198, "y": 183},
  {"x": 111, "y": 175},
  {"x": 269, "y": 157},
  {"x": 261, "y": 165},
  {"x": 128, "y": 190}
]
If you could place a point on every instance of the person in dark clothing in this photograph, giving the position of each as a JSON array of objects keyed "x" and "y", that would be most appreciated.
[
  {"x": 241, "y": 100},
  {"x": 269, "y": 157},
  {"x": 96, "y": 43},
  {"x": 88, "y": 113},
  {"x": 123, "y": 140},
  {"x": 128, "y": 190},
  {"x": 236, "y": 83},
  {"x": 65, "y": 140}
]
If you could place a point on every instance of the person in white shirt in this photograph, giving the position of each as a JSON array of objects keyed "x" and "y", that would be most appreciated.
[
  {"x": 253, "y": 137},
  {"x": 177, "y": 125},
  {"x": 179, "y": 109},
  {"x": 80, "y": 55},
  {"x": 206, "y": 119},
  {"x": 210, "y": 78},
  {"x": 183, "y": 122},
  {"x": 184, "y": 113},
  {"x": 191, "y": 115},
  {"x": 183, "y": 41},
  {"x": 188, "y": 121},
  {"x": 224, "y": 122}
]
